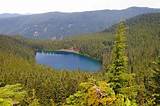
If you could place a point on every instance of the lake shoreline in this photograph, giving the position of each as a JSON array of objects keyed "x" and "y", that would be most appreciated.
[
  {"x": 60, "y": 59},
  {"x": 70, "y": 51}
]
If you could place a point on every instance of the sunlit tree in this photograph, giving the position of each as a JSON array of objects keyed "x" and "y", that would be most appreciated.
[
  {"x": 11, "y": 95},
  {"x": 118, "y": 74}
]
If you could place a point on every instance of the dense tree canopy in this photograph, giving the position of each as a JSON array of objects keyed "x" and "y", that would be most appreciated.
[{"x": 129, "y": 77}]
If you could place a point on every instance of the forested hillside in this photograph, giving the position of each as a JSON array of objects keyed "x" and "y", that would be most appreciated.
[
  {"x": 48, "y": 83},
  {"x": 143, "y": 38},
  {"x": 58, "y": 25},
  {"x": 130, "y": 75},
  {"x": 16, "y": 46}
]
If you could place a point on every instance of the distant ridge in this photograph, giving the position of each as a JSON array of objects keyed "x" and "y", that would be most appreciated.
[
  {"x": 8, "y": 15},
  {"x": 57, "y": 24}
]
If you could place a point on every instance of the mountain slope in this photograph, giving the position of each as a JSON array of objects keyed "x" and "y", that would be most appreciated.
[
  {"x": 55, "y": 24},
  {"x": 143, "y": 47},
  {"x": 6, "y": 15},
  {"x": 143, "y": 41},
  {"x": 16, "y": 47}
]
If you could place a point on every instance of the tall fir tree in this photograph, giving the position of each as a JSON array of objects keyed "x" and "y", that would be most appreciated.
[{"x": 118, "y": 74}]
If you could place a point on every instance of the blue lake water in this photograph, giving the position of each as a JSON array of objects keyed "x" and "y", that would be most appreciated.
[{"x": 67, "y": 61}]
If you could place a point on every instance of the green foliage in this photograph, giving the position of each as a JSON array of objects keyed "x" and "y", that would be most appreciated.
[
  {"x": 118, "y": 75},
  {"x": 156, "y": 79},
  {"x": 118, "y": 72},
  {"x": 5, "y": 102},
  {"x": 119, "y": 59},
  {"x": 17, "y": 65},
  {"x": 48, "y": 83},
  {"x": 16, "y": 47},
  {"x": 11, "y": 95},
  {"x": 52, "y": 102},
  {"x": 33, "y": 101},
  {"x": 92, "y": 94},
  {"x": 97, "y": 93}
]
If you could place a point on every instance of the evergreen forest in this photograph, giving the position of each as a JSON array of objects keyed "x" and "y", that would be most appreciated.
[{"x": 129, "y": 52}]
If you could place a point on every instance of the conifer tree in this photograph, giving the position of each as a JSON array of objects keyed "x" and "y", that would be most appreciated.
[{"x": 118, "y": 74}]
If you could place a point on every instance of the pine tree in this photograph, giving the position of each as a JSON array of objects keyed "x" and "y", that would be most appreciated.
[{"x": 117, "y": 73}]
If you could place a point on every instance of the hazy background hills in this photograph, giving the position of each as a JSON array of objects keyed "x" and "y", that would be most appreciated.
[
  {"x": 57, "y": 25},
  {"x": 7, "y": 15}
]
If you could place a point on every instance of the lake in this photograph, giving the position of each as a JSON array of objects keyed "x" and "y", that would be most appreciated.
[{"x": 67, "y": 61}]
